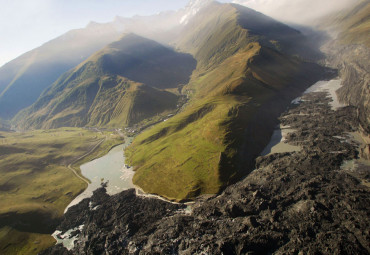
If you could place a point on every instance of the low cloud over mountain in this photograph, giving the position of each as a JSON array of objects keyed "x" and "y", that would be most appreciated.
[{"x": 298, "y": 11}]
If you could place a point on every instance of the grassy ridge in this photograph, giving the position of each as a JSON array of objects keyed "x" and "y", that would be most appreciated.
[
  {"x": 179, "y": 158},
  {"x": 217, "y": 36},
  {"x": 23, "y": 79},
  {"x": 198, "y": 150},
  {"x": 36, "y": 185},
  {"x": 193, "y": 153},
  {"x": 111, "y": 101},
  {"x": 118, "y": 86},
  {"x": 181, "y": 168}
]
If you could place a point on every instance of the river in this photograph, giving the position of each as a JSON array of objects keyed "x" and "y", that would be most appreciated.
[{"x": 110, "y": 168}]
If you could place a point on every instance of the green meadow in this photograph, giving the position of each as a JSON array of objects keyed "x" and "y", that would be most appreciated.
[{"x": 36, "y": 184}]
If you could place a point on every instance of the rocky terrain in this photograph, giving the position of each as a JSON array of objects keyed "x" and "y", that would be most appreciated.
[
  {"x": 352, "y": 60},
  {"x": 349, "y": 52},
  {"x": 301, "y": 202}
]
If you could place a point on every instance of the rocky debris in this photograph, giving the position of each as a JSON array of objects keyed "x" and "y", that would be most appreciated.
[
  {"x": 353, "y": 62},
  {"x": 116, "y": 219},
  {"x": 293, "y": 203}
]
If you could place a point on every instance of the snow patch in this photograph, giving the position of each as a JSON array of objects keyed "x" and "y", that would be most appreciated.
[{"x": 192, "y": 8}]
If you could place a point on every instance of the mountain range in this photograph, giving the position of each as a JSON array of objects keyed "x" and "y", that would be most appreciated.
[
  {"x": 202, "y": 90},
  {"x": 230, "y": 62},
  {"x": 23, "y": 79},
  {"x": 241, "y": 72},
  {"x": 235, "y": 64},
  {"x": 118, "y": 86}
]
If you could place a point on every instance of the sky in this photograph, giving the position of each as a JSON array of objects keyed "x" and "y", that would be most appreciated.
[{"x": 27, "y": 24}]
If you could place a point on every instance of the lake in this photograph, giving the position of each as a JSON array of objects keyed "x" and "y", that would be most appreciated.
[{"x": 110, "y": 168}]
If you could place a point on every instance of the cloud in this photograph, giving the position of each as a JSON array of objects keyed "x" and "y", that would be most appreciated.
[{"x": 302, "y": 12}]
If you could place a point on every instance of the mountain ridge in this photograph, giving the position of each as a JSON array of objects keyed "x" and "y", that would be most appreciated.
[
  {"x": 236, "y": 75},
  {"x": 19, "y": 89},
  {"x": 23, "y": 79},
  {"x": 108, "y": 75}
]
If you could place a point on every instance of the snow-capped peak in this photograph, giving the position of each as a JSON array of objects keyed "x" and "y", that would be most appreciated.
[{"x": 193, "y": 8}]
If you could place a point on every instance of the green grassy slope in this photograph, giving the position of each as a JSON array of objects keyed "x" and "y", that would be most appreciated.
[
  {"x": 36, "y": 185},
  {"x": 213, "y": 35},
  {"x": 115, "y": 87},
  {"x": 197, "y": 151},
  {"x": 220, "y": 30}
]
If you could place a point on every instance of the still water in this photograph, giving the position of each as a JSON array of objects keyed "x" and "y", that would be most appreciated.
[{"x": 110, "y": 168}]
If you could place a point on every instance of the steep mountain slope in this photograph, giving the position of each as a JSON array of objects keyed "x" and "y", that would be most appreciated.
[
  {"x": 23, "y": 79},
  {"x": 349, "y": 51},
  {"x": 239, "y": 77},
  {"x": 223, "y": 29},
  {"x": 350, "y": 26},
  {"x": 118, "y": 86}
]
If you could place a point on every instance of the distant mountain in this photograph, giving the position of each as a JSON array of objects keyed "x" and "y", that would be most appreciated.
[
  {"x": 23, "y": 79},
  {"x": 350, "y": 26},
  {"x": 244, "y": 69},
  {"x": 212, "y": 36},
  {"x": 117, "y": 86},
  {"x": 4, "y": 125},
  {"x": 249, "y": 68},
  {"x": 191, "y": 9}
]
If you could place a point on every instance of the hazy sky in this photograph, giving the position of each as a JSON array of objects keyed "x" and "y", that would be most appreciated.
[
  {"x": 27, "y": 24},
  {"x": 302, "y": 12}
]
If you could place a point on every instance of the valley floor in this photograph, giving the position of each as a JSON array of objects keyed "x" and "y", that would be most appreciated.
[
  {"x": 301, "y": 202},
  {"x": 39, "y": 177}
]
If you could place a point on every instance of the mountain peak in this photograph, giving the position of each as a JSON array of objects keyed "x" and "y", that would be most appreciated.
[{"x": 192, "y": 8}]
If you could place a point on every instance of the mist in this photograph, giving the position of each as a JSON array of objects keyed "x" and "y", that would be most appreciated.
[
  {"x": 25, "y": 25},
  {"x": 300, "y": 12}
]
